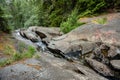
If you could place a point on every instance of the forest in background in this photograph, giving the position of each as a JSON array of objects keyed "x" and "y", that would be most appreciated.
[{"x": 16, "y": 14}]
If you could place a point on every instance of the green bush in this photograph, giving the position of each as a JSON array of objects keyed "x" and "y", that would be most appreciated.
[
  {"x": 90, "y": 7},
  {"x": 20, "y": 13},
  {"x": 8, "y": 50},
  {"x": 71, "y": 23},
  {"x": 6, "y": 62},
  {"x": 17, "y": 57},
  {"x": 28, "y": 54},
  {"x": 3, "y": 22},
  {"x": 25, "y": 13}
]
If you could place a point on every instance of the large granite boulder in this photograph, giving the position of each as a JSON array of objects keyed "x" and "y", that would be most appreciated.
[
  {"x": 87, "y": 35},
  {"x": 108, "y": 33}
]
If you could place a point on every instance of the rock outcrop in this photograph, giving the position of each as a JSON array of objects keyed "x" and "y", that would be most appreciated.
[
  {"x": 92, "y": 45},
  {"x": 100, "y": 67}
]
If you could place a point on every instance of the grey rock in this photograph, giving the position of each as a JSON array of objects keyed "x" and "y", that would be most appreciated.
[
  {"x": 18, "y": 72},
  {"x": 109, "y": 33},
  {"x": 100, "y": 67},
  {"x": 77, "y": 45},
  {"x": 46, "y": 33},
  {"x": 85, "y": 46},
  {"x": 114, "y": 53},
  {"x": 59, "y": 38},
  {"x": 21, "y": 33},
  {"x": 57, "y": 70},
  {"x": 20, "y": 39},
  {"x": 31, "y": 36},
  {"x": 52, "y": 31},
  {"x": 115, "y": 64},
  {"x": 101, "y": 53},
  {"x": 41, "y": 34}
]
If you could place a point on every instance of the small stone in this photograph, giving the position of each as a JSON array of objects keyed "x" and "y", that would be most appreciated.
[{"x": 115, "y": 64}]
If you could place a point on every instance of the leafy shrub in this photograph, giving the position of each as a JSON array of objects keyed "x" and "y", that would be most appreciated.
[
  {"x": 71, "y": 23},
  {"x": 17, "y": 56},
  {"x": 6, "y": 62},
  {"x": 9, "y": 50},
  {"x": 29, "y": 53},
  {"x": 25, "y": 13},
  {"x": 90, "y": 7},
  {"x": 21, "y": 47},
  {"x": 3, "y": 22},
  {"x": 55, "y": 12},
  {"x": 20, "y": 13}
]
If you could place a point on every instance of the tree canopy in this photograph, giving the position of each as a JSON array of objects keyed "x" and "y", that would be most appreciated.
[{"x": 50, "y": 13}]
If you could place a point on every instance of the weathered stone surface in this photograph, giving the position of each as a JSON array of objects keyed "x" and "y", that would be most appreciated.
[
  {"x": 105, "y": 52},
  {"x": 76, "y": 45},
  {"x": 100, "y": 53},
  {"x": 84, "y": 71},
  {"x": 52, "y": 31},
  {"x": 109, "y": 33},
  {"x": 59, "y": 38},
  {"x": 115, "y": 64},
  {"x": 43, "y": 69},
  {"x": 114, "y": 52},
  {"x": 100, "y": 67},
  {"x": 22, "y": 34},
  {"x": 45, "y": 33},
  {"x": 21, "y": 39},
  {"x": 31, "y": 36},
  {"x": 86, "y": 36},
  {"x": 28, "y": 72},
  {"x": 79, "y": 41},
  {"x": 41, "y": 34}
]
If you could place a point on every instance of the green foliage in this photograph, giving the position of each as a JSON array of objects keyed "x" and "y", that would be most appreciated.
[
  {"x": 20, "y": 13},
  {"x": 6, "y": 62},
  {"x": 21, "y": 47},
  {"x": 8, "y": 50},
  {"x": 50, "y": 13},
  {"x": 101, "y": 20},
  {"x": 3, "y": 22},
  {"x": 53, "y": 12},
  {"x": 29, "y": 53},
  {"x": 18, "y": 56},
  {"x": 90, "y": 7},
  {"x": 71, "y": 23}
]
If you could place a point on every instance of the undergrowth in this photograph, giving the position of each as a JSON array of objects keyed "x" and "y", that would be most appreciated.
[
  {"x": 100, "y": 21},
  {"x": 71, "y": 22},
  {"x": 16, "y": 56}
]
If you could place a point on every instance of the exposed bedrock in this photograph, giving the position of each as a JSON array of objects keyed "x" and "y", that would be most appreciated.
[{"x": 97, "y": 45}]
